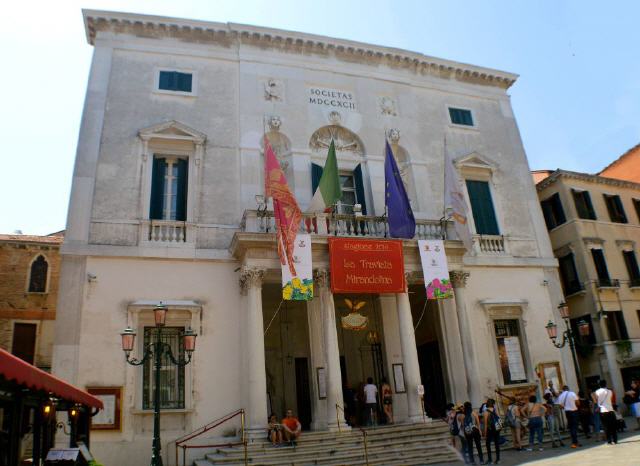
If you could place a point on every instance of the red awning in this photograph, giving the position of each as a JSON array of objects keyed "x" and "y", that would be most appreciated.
[{"x": 15, "y": 369}]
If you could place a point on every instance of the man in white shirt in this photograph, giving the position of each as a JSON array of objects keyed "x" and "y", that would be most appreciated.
[
  {"x": 604, "y": 398},
  {"x": 371, "y": 401},
  {"x": 569, "y": 401}
]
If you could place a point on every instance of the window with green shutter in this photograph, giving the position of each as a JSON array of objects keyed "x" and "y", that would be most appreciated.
[
  {"x": 553, "y": 211},
  {"x": 169, "y": 186},
  {"x": 484, "y": 215},
  {"x": 584, "y": 207},
  {"x": 175, "y": 81},
  {"x": 615, "y": 208},
  {"x": 460, "y": 116}
]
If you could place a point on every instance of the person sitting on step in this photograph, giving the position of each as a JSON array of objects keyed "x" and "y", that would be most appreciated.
[
  {"x": 274, "y": 431},
  {"x": 291, "y": 427}
]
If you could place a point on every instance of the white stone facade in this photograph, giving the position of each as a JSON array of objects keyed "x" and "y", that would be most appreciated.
[{"x": 211, "y": 268}]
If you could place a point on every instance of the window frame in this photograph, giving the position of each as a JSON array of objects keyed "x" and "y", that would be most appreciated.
[
  {"x": 606, "y": 277},
  {"x": 615, "y": 215},
  {"x": 474, "y": 124},
  {"x": 557, "y": 219},
  {"x": 636, "y": 204},
  {"x": 633, "y": 270},
  {"x": 156, "y": 82},
  {"x": 493, "y": 203},
  {"x": 587, "y": 204},
  {"x": 566, "y": 288},
  {"x": 47, "y": 277},
  {"x": 148, "y": 371},
  {"x": 523, "y": 350},
  {"x": 620, "y": 325},
  {"x": 189, "y": 188}
]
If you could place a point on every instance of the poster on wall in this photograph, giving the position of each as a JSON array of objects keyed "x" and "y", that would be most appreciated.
[
  {"x": 109, "y": 417},
  {"x": 514, "y": 358},
  {"x": 300, "y": 287},
  {"x": 366, "y": 266},
  {"x": 435, "y": 269}
]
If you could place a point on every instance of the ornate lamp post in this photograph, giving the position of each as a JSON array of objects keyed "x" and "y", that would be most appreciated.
[
  {"x": 568, "y": 336},
  {"x": 156, "y": 349}
]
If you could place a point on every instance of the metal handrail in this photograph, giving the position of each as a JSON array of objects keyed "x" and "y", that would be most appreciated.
[
  {"x": 338, "y": 407},
  {"x": 362, "y": 431},
  {"x": 181, "y": 442}
]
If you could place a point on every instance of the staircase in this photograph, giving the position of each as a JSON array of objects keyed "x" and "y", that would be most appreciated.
[{"x": 409, "y": 444}]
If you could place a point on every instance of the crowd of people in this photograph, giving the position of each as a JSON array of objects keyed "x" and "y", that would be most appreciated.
[{"x": 595, "y": 413}]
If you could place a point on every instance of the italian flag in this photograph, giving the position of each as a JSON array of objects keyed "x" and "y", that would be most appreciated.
[{"x": 328, "y": 191}]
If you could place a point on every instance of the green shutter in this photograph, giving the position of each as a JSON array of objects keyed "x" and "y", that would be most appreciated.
[
  {"x": 157, "y": 188},
  {"x": 359, "y": 182},
  {"x": 590, "y": 209},
  {"x": 601, "y": 264},
  {"x": 181, "y": 194},
  {"x": 484, "y": 215},
  {"x": 316, "y": 174}
]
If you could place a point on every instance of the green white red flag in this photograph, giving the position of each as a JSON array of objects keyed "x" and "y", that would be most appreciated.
[
  {"x": 285, "y": 208},
  {"x": 328, "y": 191}
]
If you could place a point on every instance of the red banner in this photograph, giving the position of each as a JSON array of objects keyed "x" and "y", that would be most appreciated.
[{"x": 366, "y": 266}]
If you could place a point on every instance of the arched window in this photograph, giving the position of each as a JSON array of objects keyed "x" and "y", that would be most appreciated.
[{"x": 38, "y": 276}]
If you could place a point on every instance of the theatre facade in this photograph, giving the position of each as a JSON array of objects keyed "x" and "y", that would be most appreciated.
[{"x": 167, "y": 206}]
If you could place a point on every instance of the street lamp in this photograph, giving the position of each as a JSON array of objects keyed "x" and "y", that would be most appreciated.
[
  {"x": 156, "y": 349},
  {"x": 568, "y": 336}
]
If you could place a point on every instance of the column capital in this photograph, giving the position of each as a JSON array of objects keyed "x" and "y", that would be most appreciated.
[
  {"x": 250, "y": 277},
  {"x": 412, "y": 276},
  {"x": 459, "y": 278},
  {"x": 322, "y": 277}
]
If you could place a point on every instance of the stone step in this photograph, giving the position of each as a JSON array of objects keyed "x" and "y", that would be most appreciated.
[{"x": 411, "y": 444}]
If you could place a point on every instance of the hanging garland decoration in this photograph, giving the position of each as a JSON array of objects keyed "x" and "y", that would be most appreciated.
[{"x": 354, "y": 320}]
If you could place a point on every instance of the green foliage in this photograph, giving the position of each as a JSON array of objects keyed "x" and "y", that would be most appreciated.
[{"x": 624, "y": 348}]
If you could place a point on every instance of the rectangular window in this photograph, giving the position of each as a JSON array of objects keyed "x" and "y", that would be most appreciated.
[
  {"x": 636, "y": 204},
  {"x": 589, "y": 340},
  {"x": 616, "y": 326},
  {"x": 632, "y": 267},
  {"x": 510, "y": 351},
  {"x": 171, "y": 375},
  {"x": 615, "y": 208},
  {"x": 582, "y": 200},
  {"x": 569, "y": 275},
  {"x": 175, "y": 81},
  {"x": 169, "y": 180},
  {"x": 349, "y": 197},
  {"x": 484, "y": 215},
  {"x": 553, "y": 211},
  {"x": 461, "y": 116},
  {"x": 601, "y": 267}
]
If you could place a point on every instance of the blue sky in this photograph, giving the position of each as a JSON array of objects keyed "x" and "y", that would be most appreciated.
[{"x": 577, "y": 100}]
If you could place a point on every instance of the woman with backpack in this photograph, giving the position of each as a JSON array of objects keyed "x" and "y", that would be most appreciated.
[
  {"x": 454, "y": 429},
  {"x": 471, "y": 425},
  {"x": 492, "y": 428},
  {"x": 513, "y": 419}
]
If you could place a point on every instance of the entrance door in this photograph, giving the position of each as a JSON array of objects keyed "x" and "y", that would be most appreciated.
[
  {"x": 435, "y": 398},
  {"x": 303, "y": 392},
  {"x": 24, "y": 341}
]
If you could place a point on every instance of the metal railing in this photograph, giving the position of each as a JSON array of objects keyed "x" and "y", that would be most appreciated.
[
  {"x": 181, "y": 442},
  {"x": 362, "y": 431}
]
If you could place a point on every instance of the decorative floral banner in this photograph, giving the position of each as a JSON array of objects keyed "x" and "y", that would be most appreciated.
[
  {"x": 300, "y": 286},
  {"x": 435, "y": 269}
]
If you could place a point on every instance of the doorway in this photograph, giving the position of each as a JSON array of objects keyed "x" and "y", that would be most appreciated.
[
  {"x": 431, "y": 374},
  {"x": 24, "y": 341},
  {"x": 303, "y": 392}
]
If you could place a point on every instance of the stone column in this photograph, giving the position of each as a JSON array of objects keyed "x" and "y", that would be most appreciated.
[
  {"x": 456, "y": 367},
  {"x": 333, "y": 376},
  {"x": 251, "y": 286},
  {"x": 409, "y": 357},
  {"x": 459, "y": 281}
]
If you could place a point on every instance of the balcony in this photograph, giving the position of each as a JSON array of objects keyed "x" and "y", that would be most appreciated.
[
  {"x": 608, "y": 283},
  {"x": 339, "y": 225},
  {"x": 489, "y": 244},
  {"x": 165, "y": 232}
]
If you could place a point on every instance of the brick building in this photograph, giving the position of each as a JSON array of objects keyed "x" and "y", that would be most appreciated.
[{"x": 29, "y": 270}]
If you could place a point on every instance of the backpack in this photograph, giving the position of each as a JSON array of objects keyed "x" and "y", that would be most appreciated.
[
  {"x": 469, "y": 424},
  {"x": 496, "y": 422},
  {"x": 454, "y": 428}
]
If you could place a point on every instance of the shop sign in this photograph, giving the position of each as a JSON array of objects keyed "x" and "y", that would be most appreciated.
[
  {"x": 366, "y": 266},
  {"x": 435, "y": 269}
]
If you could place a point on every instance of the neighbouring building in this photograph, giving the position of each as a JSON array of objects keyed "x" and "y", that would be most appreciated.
[
  {"x": 166, "y": 206},
  {"x": 626, "y": 167},
  {"x": 29, "y": 272},
  {"x": 594, "y": 225}
]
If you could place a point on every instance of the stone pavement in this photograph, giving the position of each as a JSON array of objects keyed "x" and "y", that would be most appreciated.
[{"x": 592, "y": 452}]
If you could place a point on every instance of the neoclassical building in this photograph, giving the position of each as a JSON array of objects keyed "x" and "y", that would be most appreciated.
[{"x": 167, "y": 206}]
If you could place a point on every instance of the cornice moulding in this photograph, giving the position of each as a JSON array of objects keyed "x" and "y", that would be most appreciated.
[
  {"x": 228, "y": 34},
  {"x": 585, "y": 177}
]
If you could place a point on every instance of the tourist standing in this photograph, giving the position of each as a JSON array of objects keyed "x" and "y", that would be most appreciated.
[
  {"x": 370, "y": 401},
  {"x": 535, "y": 412},
  {"x": 513, "y": 416},
  {"x": 492, "y": 427},
  {"x": 568, "y": 400},
  {"x": 387, "y": 400},
  {"x": 604, "y": 398},
  {"x": 553, "y": 423},
  {"x": 585, "y": 413},
  {"x": 471, "y": 423},
  {"x": 634, "y": 400},
  {"x": 451, "y": 415}
]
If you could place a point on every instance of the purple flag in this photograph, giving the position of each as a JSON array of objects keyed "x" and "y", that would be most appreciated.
[{"x": 402, "y": 223}]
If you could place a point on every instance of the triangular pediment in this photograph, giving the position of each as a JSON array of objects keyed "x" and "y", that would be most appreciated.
[
  {"x": 172, "y": 130},
  {"x": 476, "y": 160}
]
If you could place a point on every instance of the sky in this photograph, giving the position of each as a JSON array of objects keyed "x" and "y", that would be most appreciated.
[{"x": 577, "y": 101}]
